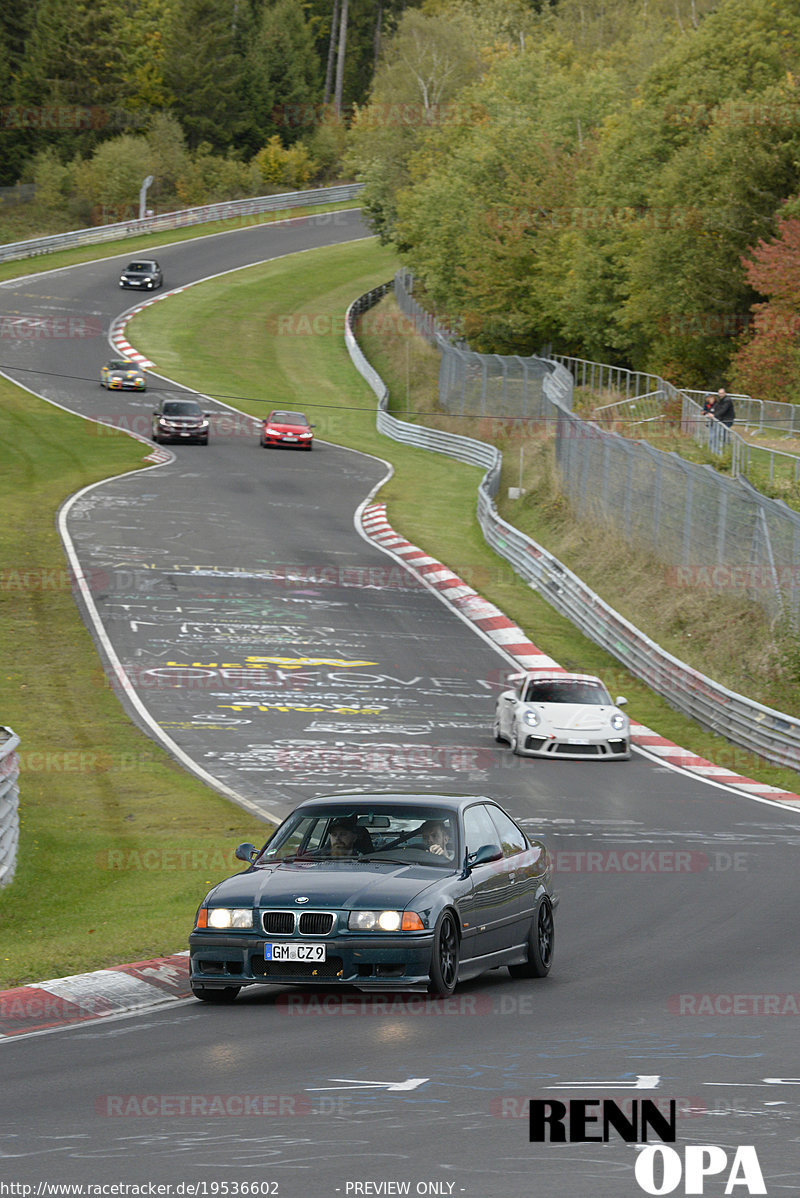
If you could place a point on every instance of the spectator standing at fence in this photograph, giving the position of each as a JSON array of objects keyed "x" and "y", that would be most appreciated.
[
  {"x": 708, "y": 406},
  {"x": 724, "y": 410}
]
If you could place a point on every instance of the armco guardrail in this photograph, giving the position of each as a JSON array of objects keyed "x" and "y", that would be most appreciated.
[
  {"x": 769, "y": 733},
  {"x": 9, "y": 804},
  {"x": 465, "y": 449},
  {"x": 179, "y": 220}
]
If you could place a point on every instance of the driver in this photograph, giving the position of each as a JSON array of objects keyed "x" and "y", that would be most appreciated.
[
  {"x": 436, "y": 835},
  {"x": 342, "y": 837}
]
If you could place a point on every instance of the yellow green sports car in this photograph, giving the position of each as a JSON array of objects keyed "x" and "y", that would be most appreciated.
[{"x": 121, "y": 375}]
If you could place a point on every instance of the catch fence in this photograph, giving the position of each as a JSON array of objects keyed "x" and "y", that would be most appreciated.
[{"x": 717, "y": 531}]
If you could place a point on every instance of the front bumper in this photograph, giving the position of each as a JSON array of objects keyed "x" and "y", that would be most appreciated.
[
  {"x": 294, "y": 443},
  {"x": 615, "y": 748},
  {"x": 181, "y": 434},
  {"x": 120, "y": 385},
  {"x": 380, "y": 962}
]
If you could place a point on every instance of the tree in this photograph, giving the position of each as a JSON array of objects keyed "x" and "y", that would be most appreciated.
[
  {"x": 767, "y": 363},
  {"x": 425, "y": 65},
  {"x": 111, "y": 179},
  {"x": 282, "y": 77},
  {"x": 203, "y": 71}
]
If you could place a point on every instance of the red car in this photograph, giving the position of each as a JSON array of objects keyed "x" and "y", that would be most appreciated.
[{"x": 287, "y": 428}]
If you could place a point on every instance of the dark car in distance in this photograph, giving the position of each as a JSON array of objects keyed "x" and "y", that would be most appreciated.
[
  {"x": 379, "y": 892},
  {"x": 287, "y": 428},
  {"x": 180, "y": 420},
  {"x": 144, "y": 274}
]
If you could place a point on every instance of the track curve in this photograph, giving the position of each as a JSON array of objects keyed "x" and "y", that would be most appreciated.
[{"x": 289, "y": 657}]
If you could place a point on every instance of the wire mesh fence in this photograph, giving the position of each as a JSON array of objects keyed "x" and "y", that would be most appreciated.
[{"x": 716, "y": 531}]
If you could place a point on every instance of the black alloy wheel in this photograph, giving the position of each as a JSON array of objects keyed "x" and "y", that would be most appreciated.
[
  {"x": 444, "y": 962},
  {"x": 541, "y": 943}
]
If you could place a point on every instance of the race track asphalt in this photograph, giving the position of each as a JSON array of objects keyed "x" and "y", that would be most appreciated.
[{"x": 674, "y": 974}]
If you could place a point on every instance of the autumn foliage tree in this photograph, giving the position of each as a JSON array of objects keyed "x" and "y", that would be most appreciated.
[{"x": 768, "y": 363}]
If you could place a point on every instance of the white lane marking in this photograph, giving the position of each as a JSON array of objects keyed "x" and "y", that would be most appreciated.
[
  {"x": 644, "y": 1081},
  {"x": 353, "y": 1083}
]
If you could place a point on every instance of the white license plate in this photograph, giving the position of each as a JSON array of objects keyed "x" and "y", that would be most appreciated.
[
  {"x": 289, "y": 437},
  {"x": 574, "y": 741},
  {"x": 294, "y": 952}
]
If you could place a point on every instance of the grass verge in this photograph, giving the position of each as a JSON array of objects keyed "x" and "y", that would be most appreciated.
[
  {"x": 283, "y": 322},
  {"x": 117, "y": 843}
]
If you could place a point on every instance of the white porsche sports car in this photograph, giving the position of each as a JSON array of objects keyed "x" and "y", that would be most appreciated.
[{"x": 562, "y": 715}]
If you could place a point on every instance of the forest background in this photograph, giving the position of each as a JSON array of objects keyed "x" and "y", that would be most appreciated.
[{"x": 617, "y": 179}]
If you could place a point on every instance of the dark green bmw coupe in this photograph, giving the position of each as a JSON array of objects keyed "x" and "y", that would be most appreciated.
[{"x": 379, "y": 892}]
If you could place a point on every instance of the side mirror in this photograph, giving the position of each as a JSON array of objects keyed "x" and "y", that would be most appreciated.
[
  {"x": 246, "y": 852},
  {"x": 620, "y": 700},
  {"x": 485, "y": 854}
]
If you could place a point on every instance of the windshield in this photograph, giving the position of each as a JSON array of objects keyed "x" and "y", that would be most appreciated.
[
  {"x": 566, "y": 691},
  {"x": 141, "y": 266},
  {"x": 288, "y": 418},
  {"x": 413, "y": 835},
  {"x": 182, "y": 408}
]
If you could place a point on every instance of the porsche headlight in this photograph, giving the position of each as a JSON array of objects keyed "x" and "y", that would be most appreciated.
[
  {"x": 375, "y": 921},
  {"x": 618, "y": 721},
  {"x": 230, "y": 917},
  {"x": 532, "y": 718}
]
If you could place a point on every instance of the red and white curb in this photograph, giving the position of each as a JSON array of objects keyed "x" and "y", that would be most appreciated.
[
  {"x": 120, "y": 343},
  {"x": 510, "y": 637},
  {"x": 117, "y": 331},
  {"x": 120, "y": 990}
]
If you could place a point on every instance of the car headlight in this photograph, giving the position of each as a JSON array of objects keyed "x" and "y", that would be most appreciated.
[
  {"x": 374, "y": 921},
  {"x": 618, "y": 721},
  {"x": 532, "y": 718},
  {"x": 384, "y": 921},
  {"x": 273, "y": 432},
  {"x": 229, "y": 917}
]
